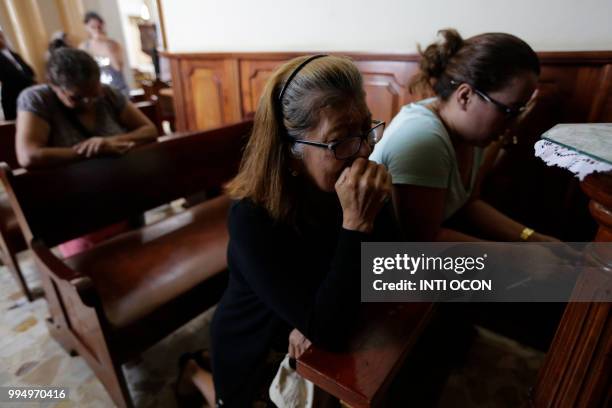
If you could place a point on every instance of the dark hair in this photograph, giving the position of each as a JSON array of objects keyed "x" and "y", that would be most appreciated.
[
  {"x": 487, "y": 61},
  {"x": 58, "y": 41},
  {"x": 69, "y": 68},
  {"x": 92, "y": 15}
]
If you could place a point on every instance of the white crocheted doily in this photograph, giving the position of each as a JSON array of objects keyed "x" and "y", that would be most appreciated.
[{"x": 579, "y": 164}]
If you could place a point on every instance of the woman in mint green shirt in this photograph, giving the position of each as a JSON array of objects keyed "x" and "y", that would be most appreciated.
[{"x": 433, "y": 149}]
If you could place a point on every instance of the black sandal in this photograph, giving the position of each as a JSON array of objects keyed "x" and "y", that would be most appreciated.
[{"x": 202, "y": 359}]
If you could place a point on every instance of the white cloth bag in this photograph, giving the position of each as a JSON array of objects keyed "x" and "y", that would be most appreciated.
[{"x": 291, "y": 390}]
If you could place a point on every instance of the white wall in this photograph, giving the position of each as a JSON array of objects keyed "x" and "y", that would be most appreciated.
[{"x": 380, "y": 25}]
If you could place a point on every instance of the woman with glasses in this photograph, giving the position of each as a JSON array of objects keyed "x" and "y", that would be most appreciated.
[
  {"x": 306, "y": 197},
  {"x": 75, "y": 117},
  {"x": 434, "y": 148}
]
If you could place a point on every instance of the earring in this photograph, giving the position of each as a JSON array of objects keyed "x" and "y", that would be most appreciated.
[{"x": 294, "y": 173}]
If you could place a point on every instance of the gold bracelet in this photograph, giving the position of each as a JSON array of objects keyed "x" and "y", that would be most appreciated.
[{"x": 526, "y": 233}]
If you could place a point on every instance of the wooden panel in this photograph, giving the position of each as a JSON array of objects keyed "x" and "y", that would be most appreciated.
[
  {"x": 386, "y": 86},
  {"x": 602, "y": 102},
  {"x": 579, "y": 76},
  {"x": 180, "y": 97},
  {"x": 210, "y": 92},
  {"x": 253, "y": 77},
  {"x": 577, "y": 371},
  {"x": 208, "y": 99},
  {"x": 385, "y": 82}
]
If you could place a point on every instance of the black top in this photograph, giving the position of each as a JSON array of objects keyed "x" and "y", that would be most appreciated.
[
  {"x": 280, "y": 279},
  {"x": 13, "y": 80}
]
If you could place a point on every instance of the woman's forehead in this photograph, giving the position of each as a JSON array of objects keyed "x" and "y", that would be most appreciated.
[
  {"x": 518, "y": 90},
  {"x": 350, "y": 114}
]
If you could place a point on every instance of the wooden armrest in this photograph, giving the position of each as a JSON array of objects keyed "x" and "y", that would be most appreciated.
[
  {"x": 360, "y": 376},
  {"x": 59, "y": 270}
]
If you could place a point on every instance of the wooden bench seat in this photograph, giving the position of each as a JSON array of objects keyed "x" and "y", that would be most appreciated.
[
  {"x": 138, "y": 271},
  {"x": 113, "y": 301}
]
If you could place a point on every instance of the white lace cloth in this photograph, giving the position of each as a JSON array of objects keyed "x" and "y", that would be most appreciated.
[
  {"x": 579, "y": 164},
  {"x": 566, "y": 146}
]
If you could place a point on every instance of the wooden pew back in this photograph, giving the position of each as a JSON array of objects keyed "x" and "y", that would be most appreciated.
[
  {"x": 151, "y": 110},
  {"x": 59, "y": 204},
  {"x": 7, "y": 144}
]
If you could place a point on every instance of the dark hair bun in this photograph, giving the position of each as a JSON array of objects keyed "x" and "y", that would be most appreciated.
[
  {"x": 436, "y": 56},
  {"x": 56, "y": 44}
]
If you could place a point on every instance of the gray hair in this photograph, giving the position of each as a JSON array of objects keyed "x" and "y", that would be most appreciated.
[
  {"x": 70, "y": 68},
  {"x": 327, "y": 81}
]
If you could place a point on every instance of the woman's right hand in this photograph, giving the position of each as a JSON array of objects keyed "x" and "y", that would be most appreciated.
[
  {"x": 363, "y": 188},
  {"x": 100, "y": 145},
  {"x": 298, "y": 344}
]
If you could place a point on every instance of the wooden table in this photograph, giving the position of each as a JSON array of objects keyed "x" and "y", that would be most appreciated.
[
  {"x": 577, "y": 371},
  {"x": 360, "y": 376}
]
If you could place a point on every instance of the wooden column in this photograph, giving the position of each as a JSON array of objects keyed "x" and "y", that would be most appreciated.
[
  {"x": 577, "y": 371},
  {"x": 71, "y": 14},
  {"x": 29, "y": 31}
]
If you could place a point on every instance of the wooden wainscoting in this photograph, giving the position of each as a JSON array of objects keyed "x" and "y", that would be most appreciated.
[{"x": 214, "y": 89}]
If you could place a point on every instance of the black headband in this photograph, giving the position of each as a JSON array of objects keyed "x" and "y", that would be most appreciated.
[{"x": 294, "y": 73}]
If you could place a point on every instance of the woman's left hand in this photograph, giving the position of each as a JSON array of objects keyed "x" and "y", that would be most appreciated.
[
  {"x": 298, "y": 344},
  {"x": 102, "y": 145}
]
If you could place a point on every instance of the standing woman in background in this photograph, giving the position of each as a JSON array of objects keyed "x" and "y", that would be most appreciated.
[
  {"x": 434, "y": 148},
  {"x": 106, "y": 51}
]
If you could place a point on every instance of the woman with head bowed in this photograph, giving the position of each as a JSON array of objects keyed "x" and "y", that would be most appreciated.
[
  {"x": 306, "y": 197},
  {"x": 433, "y": 149},
  {"x": 74, "y": 117}
]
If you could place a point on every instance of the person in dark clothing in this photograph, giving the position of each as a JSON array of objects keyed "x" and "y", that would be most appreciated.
[
  {"x": 15, "y": 76},
  {"x": 306, "y": 197}
]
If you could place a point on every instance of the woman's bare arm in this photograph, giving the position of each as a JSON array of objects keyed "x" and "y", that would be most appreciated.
[
  {"x": 140, "y": 128},
  {"x": 31, "y": 142},
  {"x": 420, "y": 212}
]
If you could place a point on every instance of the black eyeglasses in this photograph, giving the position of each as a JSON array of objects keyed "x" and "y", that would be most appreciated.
[
  {"x": 79, "y": 99},
  {"x": 348, "y": 147},
  {"x": 505, "y": 109}
]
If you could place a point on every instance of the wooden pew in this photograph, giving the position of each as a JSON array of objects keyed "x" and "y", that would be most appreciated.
[
  {"x": 111, "y": 302},
  {"x": 151, "y": 110},
  {"x": 361, "y": 375},
  {"x": 162, "y": 94},
  {"x": 11, "y": 238},
  {"x": 7, "y": 143}
]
